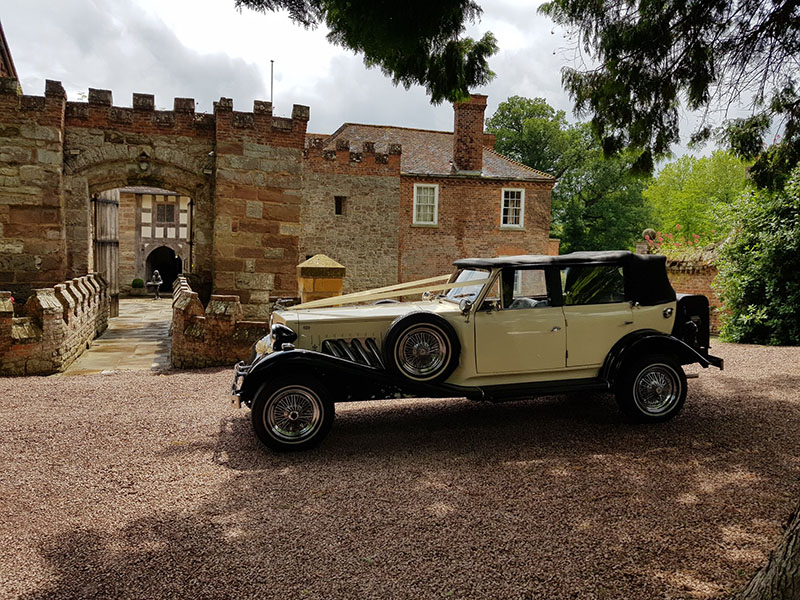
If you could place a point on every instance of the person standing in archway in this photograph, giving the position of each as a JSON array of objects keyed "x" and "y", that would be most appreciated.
[{"x": 157, "y": 281}]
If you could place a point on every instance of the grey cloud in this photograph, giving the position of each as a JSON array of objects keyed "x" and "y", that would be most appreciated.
[
  {"x": 114, "y": 45},
  {"x": 352, "y": 94}
]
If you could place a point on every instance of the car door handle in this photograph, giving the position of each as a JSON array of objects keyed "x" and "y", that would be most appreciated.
[
  {"x": 556, "y": 328},
  {"x": 628, "y": 322}
]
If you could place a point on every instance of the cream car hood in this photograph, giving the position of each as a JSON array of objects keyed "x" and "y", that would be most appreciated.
[
  {"x": 381, "y": 312},
  {"x": 315, "y": 325}
]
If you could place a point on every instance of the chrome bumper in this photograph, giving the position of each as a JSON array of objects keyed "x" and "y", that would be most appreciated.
[{"x": 239, "y": 371}]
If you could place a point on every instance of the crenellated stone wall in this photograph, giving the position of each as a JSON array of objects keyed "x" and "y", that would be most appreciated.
[
  {"x": 55, "y": 328},
  {"x": 216, "y": 335}
]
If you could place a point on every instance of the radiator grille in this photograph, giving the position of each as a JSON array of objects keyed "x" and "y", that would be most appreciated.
[{"x": 363, "y": 352}]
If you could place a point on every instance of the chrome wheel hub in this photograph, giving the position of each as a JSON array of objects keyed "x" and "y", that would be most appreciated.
[
  {"x": 657, "y": 389},
  {"x": 293, "y": 413},
  {"x": 422, "y": 351}
]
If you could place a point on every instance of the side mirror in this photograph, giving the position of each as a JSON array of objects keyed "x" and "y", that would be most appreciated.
[{"x": 465, "y": 305}]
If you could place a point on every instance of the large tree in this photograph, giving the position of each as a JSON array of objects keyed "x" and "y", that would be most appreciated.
[
  {"x": 645, "y": 59},
  {"x": 597, "y": 202},
  {"x": 696, "y": 195},
  {"x": 413, "y": 41}
]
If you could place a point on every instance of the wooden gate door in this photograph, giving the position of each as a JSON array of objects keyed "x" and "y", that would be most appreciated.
[{"x": 105, "y": 241}]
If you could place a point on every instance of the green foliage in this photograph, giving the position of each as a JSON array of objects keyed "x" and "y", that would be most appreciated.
[
  {"x": 597, "y": 202},
  {"x": 652, "y": 57},
  {"x": 413, "y": 42},
  {"x": 532, "y": 132},
  {"x": 137, "y": 283},
  {"x": 758, "y": 268},
  {"x": 696, "y": 194}
]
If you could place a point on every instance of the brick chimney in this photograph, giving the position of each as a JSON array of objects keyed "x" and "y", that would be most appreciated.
[{"x": 468, "y": 136}]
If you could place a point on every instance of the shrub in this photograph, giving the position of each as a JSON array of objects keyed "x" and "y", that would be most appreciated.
[
  {"x": 137, "y": 283},
  {"x": 759, "y": 265}
]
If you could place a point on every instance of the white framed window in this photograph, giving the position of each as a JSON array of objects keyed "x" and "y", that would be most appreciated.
[
  {"x": 513, "y": 209},
  {"x": 426, "y": 204}
]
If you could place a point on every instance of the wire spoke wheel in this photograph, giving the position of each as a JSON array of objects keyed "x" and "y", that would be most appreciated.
[
  {"x": 293, "y": 414},
  {"x": 657, "y": 389},
  {"x": 422, "y": 351}
]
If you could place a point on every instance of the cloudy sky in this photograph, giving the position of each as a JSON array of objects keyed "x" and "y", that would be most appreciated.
[{"x": 205, "y": 49}]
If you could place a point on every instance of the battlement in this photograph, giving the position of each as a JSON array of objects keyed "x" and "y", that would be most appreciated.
[{"x": 315, "y": 151}]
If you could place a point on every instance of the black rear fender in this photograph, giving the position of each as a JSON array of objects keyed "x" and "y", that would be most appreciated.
[{"x": 640, "y": 343}]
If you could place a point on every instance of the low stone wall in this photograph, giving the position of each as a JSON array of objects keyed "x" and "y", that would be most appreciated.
[
  {"x": 212, "y": 336},
  {"x": 696, "y": 277},
  {"x": 56, "y": 327}
]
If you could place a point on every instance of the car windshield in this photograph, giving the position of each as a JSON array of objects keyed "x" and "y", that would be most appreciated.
[{"x": 470, "y": 292}]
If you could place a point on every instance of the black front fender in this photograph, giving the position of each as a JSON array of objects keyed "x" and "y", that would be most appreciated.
[
  {"x": 345, "y": 379},
  {"x": 650, "y": 341}
]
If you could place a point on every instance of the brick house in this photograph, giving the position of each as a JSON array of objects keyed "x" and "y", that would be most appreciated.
[{"x": 431, "y": 197}]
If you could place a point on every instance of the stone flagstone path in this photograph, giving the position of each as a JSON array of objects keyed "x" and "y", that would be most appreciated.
[{"x": 138, "y": 339}]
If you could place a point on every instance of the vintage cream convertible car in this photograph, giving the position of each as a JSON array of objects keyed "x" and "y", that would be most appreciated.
[{"x": 496, "y": 329}]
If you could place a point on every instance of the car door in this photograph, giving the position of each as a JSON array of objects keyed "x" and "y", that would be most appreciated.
[
  {"x": 517, "y": 330},
  {"x": 596, "y": 312}
]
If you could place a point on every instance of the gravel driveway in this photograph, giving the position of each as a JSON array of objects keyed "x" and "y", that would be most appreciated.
[{"x": 140, "y": 485}]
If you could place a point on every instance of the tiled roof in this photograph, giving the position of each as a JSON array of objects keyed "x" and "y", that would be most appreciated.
[{"x": 427, "y": 152}]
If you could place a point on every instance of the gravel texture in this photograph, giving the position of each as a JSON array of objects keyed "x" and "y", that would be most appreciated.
[{"x": 140, "y": 485}]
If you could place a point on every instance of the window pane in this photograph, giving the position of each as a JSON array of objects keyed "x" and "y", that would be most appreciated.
[
  {"x": 160, "y": 212},
  {"x": 170, "y": 213},
  {"x": 512, "y": 207},
  {"x": 425, "y": 207},
  {"x": 593, "y": 285},
  {"x": 529, "y": 291}
]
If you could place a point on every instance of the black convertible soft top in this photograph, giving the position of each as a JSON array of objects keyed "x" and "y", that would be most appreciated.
[{"x": 645, "y": 275}]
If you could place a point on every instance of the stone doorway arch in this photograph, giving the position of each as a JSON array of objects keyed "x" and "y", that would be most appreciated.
[{"x": 168, "y": 263}]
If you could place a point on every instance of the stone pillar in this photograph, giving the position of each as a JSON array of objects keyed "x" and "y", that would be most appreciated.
[
  {"x": 68, "y": 302},
  {"x": 222, "y": 313},
  {"x": 47, "y": 312},
  {"x": 319, "y": 277},
  {"x": 185, "y": 310}
]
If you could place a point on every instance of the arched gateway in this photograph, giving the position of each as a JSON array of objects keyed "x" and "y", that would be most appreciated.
[{"x": 240, "y": 169}]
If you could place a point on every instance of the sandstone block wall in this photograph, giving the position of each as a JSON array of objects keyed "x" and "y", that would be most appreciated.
[
  {"x": 257, "y": 203},
  {"x": 365, "y": 237},
  {"x": 690, "y": 277},
  {"x": 215, "y": 335},
  {"x": 468, "y": 225},
  {"x": 56, "y": 326},
  {"x": 32, "y": 237}
]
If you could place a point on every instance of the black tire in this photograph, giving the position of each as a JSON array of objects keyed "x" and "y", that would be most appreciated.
[
  {"x": 421, "y": 347},
  {"x": 651, "y": 389},
  {"x": 292, "y": 413}
]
